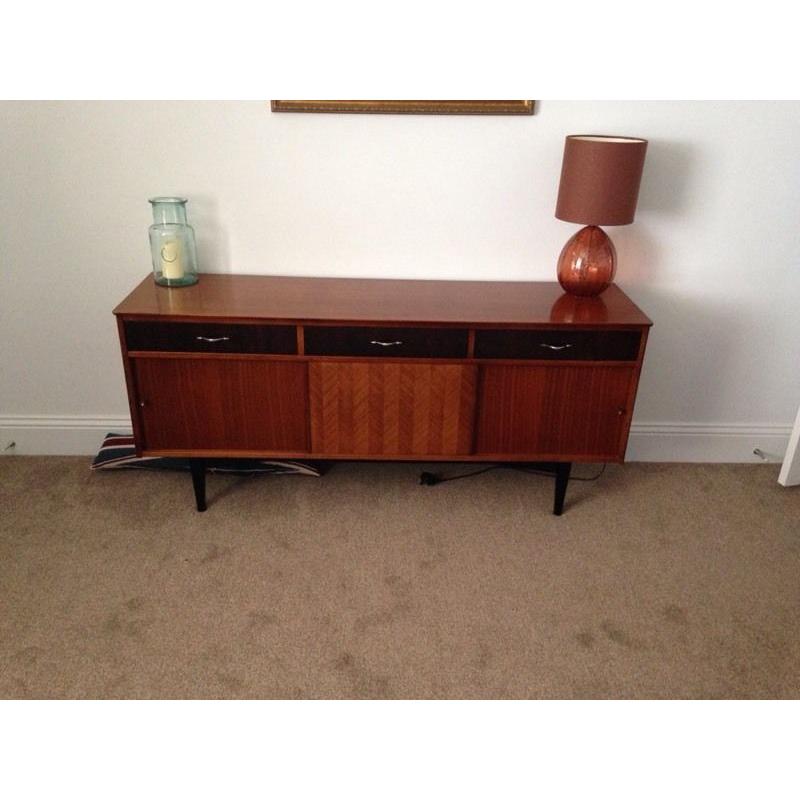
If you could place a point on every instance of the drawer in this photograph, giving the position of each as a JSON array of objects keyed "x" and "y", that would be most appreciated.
[
  {"x": 211, "y": 337},
  {"x": 323, "y": 340},
  {"x": 562, "y": 345}
]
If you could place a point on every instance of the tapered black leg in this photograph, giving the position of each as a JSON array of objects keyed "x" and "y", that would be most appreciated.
[
  {"x": 562, "y": 479},
  {"x": 198, "y": 467}
]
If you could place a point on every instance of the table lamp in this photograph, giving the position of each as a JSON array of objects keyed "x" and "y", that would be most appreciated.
[{"x": 600, "y": 178}]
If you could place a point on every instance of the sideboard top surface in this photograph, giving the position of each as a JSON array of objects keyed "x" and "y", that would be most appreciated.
[{"x": 256, "y": 297}]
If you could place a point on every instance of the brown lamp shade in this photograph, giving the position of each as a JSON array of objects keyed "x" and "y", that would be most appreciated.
[{"x": 600, "y": 178}]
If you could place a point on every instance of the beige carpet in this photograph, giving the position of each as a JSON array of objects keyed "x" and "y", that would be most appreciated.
[{"x": 660, "y": 581}]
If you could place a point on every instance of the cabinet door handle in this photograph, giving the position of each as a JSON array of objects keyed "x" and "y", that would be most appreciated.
[
  {"x": 555, "y": 346},
  {"x": 385, "y": 344},
  {"x": 212, "y": 340}
]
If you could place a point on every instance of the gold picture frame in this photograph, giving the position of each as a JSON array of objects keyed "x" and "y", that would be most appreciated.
[{"x": 508, "y": 107}]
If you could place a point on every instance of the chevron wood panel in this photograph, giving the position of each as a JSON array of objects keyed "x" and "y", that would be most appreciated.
[{"x": 390, "y": 408}]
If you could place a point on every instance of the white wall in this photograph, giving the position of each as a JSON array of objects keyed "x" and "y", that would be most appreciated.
[{"x": 712, "y": 257}]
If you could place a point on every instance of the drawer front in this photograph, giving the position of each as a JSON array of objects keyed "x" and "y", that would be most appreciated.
[
  {"x": 386, "y": 342},
  {"x": 210, "y": 337},
  {"x": 562, "y": 345}
]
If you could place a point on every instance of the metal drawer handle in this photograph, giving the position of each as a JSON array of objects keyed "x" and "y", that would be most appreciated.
[
  {"x": 209, "y": 339},
  {"x": 385, "y": 344},
  {"x": 555, "y": 346}
]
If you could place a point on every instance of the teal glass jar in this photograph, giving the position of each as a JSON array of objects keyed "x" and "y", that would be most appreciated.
[{"x": 172, "y": 243}]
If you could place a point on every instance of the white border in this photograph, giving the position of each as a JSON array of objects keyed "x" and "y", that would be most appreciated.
[{"x": 790, "y": 472}]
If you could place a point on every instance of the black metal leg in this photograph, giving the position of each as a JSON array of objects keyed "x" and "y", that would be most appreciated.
[
  {"x": 562, "y": 479},
  {"x": 198, "y": 467}
]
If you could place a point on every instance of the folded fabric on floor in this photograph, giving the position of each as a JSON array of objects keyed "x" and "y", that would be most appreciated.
[{"x": 119, "y": 452}]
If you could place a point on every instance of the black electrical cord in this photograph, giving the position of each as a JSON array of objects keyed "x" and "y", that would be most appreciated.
[
  {"x": 431, "y": 479},
  {"x": 550, "y": 474}
]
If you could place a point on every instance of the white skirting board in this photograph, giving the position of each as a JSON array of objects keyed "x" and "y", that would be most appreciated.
[
  {"x": 57, "y": 436},
  {"x": 82, "y": 435},
  {"x": 702, "y": 443}
]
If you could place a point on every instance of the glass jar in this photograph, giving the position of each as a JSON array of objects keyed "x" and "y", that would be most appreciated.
[{"x": 172, "y": 243}]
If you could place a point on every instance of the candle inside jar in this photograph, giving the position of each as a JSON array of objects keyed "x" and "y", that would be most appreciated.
[{"x": 171, "y": 260}]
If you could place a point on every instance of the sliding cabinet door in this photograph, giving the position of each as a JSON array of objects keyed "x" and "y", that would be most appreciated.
[
  {"x": 565, "y": 412},
  {"x": 391, "y": 408},
  {"x": 233, "y": 404}
]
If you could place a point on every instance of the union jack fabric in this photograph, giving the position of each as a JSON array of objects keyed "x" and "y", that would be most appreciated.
[{"x": 119, "y": 452}]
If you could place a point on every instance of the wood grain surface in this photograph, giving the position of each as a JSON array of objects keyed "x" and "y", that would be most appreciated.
[
  {"x": 346, "y": 300},
  {"x": 391, "y": 408},
  {"x": 222, "y": 404},
  {"x": 562, "y": 411}
]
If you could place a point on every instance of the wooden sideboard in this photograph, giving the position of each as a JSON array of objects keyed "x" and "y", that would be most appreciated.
[{"x": 332, "y": 368}]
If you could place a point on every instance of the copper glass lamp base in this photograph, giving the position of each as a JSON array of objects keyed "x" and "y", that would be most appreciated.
[{"x": 587, "y": 263}]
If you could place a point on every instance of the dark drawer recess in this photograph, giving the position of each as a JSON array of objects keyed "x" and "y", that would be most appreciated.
[
  {"x": 558, "y": 345},
  {"x": 386, "y": 342},
  {"x": 212, "y": 337}
]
